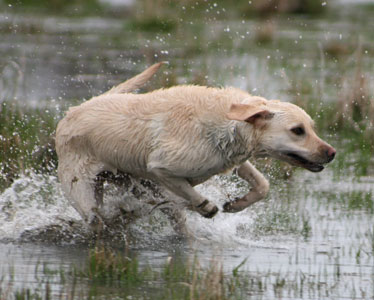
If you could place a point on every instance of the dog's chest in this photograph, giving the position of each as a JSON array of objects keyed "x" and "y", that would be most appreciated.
[{"x": 231, "y": 148}]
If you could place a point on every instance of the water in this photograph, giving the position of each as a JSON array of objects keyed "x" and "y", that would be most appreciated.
[
  {"x": 312, "y": 237},
  {"x": 52, "y": 57},
  {"x": 340, "y": 238}
]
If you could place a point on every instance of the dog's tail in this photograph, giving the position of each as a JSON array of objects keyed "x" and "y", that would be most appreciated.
[{"x": 135, "y": 82}]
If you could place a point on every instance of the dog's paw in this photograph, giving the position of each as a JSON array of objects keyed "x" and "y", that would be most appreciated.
[
  {"x": 233, "y": 206},
  {"x": 228, "y": 207},
  {"x": 212, "y": 213},
  {"x": 207, "y": 209}
]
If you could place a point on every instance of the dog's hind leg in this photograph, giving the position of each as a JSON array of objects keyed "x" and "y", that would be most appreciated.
[
  {"x": 259, "y": 190},
  {"x": 78, "y": 183},
  {"x": 82, "y": 194}
]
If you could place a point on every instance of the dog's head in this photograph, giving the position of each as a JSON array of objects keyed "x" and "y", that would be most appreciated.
[{"x": 284, "y": 131}]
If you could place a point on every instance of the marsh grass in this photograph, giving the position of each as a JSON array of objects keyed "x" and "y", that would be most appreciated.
[
  {"x": 355, "y": 107},
  {"x": 162, "y": 16},
  {"x": 352, "y": 200},
  {"x": 115, "y": 276},
  {"x": 348, "y": 123},
  {"x": 177, "y": 278},
  {"x": 27, "y": 141},
  {"x": 194, "y": 281},
  {"x": 152, "y": 25},
  {"x": 119, "y": 275},
  {"x": 273, "y": 222},
  {"x": 108, "y": 266},
  {"x": 240, "y": 8},
  {"x": 28, "y": 294},
  {"x": 27, "y": 134},
  {"x": 56, "y": 6},
  {"x": 337, "y": 50}
]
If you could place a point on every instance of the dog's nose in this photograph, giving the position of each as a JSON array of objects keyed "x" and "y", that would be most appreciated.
[{"x": 330, "y": 152}]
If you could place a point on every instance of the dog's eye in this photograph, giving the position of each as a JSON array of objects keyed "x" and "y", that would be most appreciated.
[{"x": 298, "y": 130}]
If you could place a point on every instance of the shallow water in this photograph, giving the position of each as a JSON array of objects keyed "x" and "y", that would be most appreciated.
[
  {"x": 312, "y": 238},
  {"x": 336, "y": 255},
  {"x": 61, "y": 58}
]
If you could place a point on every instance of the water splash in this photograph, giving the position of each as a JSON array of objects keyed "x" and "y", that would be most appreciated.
[
  {"x": 33, "y": 202},
  {"x": 34, "y": 208}
]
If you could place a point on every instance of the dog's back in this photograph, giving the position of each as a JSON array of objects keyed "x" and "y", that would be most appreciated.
[
  {"x": 180, "y": 137},
  {"x": 178, "y": 128},
  {"x": 124, "y": 129}
]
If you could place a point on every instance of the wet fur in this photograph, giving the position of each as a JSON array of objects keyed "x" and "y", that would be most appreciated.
[{"x": 178, "y": 137}]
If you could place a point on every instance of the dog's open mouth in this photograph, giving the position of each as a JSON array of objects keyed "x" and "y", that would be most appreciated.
[{"x": 303, "y": 162}]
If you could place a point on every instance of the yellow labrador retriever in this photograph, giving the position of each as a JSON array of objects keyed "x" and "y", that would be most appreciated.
[{"x": 180, "y": 137}]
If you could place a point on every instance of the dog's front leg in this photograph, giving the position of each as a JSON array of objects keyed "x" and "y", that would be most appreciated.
[
  {"x": 260, "y": 188},
  {"x": 182, "y": 188}
]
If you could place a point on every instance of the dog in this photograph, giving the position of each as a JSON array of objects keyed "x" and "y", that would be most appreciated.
[{"x": 179, "y": 137}]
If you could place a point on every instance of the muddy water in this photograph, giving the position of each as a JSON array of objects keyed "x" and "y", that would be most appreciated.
[{"x": 313, "y": 237}]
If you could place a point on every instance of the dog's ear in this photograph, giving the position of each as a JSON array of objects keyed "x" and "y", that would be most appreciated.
[{"x": 249, "y": 113}]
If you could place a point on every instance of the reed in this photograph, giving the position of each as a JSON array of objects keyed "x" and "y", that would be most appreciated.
[{"x": 27, "y": 141}]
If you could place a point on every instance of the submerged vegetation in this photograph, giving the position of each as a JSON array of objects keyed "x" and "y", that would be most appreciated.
[
  {"x": 123, "y": 277},
  {"x": 114, "y": 274},
  {"x": 107, "y": 266}
]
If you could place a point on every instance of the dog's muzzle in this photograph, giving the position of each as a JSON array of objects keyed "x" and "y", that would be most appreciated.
[
  {"x": 300, "y": 161},
  {"x": 326, "y": 156}
]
